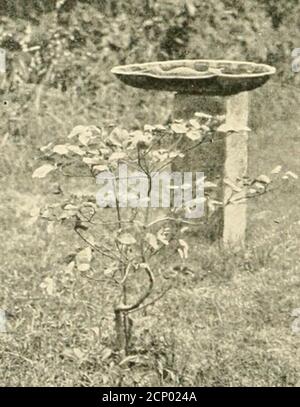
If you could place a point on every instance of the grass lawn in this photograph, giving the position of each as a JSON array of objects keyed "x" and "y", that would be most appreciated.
[{"x": 227, "y": 320}]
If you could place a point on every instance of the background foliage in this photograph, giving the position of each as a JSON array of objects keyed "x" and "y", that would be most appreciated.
[{"x": 63, "y": 42}]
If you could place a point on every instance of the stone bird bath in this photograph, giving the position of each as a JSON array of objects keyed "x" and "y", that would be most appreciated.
[{"x": 213, "y": 87}]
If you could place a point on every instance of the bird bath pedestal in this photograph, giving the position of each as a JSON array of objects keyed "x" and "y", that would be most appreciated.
[{"x": 214, "y": 87}]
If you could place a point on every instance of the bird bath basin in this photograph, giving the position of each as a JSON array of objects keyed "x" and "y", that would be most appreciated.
[
  {"x": 214, "y": 87},
  {"x": 196, "y": 77}
]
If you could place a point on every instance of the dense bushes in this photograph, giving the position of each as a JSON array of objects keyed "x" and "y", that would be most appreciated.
[{"x": 64, "y": 43}]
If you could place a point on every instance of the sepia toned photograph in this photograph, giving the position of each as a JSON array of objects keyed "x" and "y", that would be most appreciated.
[{"x": 149, "y": 196}]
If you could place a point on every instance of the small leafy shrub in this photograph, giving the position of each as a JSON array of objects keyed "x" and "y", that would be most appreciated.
[{"x": 134, "y": 238}]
